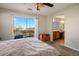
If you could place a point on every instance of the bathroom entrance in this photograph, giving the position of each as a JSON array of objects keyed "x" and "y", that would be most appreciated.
[{"x": 58, "y": 30}]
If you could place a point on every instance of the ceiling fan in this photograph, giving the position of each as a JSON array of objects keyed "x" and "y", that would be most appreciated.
[{"x": 40, "y": 5}]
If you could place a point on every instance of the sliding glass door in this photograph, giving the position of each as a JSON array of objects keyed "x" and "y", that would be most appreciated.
[{"x": 24, "y": 27}]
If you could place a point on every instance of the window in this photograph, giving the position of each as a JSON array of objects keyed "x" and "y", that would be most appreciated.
[{"x": 24, "y": 27}]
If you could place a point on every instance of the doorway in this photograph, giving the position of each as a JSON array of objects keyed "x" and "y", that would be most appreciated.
[{"x": 58, "y": 30}]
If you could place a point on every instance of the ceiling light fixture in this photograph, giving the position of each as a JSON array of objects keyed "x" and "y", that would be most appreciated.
[{"x": 41, "y": 5}]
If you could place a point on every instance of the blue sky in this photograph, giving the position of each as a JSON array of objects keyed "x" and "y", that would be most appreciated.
[{"x": 24, "y": 22}]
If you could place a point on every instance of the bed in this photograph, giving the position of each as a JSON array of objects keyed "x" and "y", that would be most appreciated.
[{"x": 26, "y": 47}]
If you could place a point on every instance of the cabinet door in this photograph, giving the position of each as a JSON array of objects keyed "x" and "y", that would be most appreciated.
[{"x": 56, "y": 34}]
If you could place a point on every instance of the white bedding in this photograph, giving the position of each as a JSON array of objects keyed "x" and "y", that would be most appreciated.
[{"x": 26, "y": 47}]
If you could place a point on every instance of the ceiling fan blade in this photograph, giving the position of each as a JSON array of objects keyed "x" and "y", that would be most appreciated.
[{"x": 48, "y": 4}]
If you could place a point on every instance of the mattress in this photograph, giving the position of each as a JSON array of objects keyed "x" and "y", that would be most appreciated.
[{"x": 26, "y": 47}]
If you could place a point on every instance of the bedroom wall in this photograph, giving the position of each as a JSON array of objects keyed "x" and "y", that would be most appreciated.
[
  {"x": 71, "y": 15},
  {"x": 6, "y": 23},
  {"x": 0, "y": 25},
  {"x": 49, "y": 26},
  {"x": 42, "y": 24},
  {"x": 72, "y": 28}
]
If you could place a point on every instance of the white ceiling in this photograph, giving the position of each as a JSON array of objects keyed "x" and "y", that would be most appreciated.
[{"x": 23, "y": 7}]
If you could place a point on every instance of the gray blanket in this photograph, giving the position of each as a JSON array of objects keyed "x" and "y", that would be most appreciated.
[{"x": 26, "y": 47}]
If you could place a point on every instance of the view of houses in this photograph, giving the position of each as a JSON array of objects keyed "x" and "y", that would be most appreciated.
[{"x": 25, "y": 32}]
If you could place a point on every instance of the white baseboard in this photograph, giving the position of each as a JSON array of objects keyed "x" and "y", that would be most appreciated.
[{"x": 72, "y": 48}]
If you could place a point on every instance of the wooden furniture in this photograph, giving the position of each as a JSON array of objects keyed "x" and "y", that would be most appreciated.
[
  {"x": 44, "y": 37},
  {"x": 56, "y": 35},
  {"x": 62, "y": 35}
]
